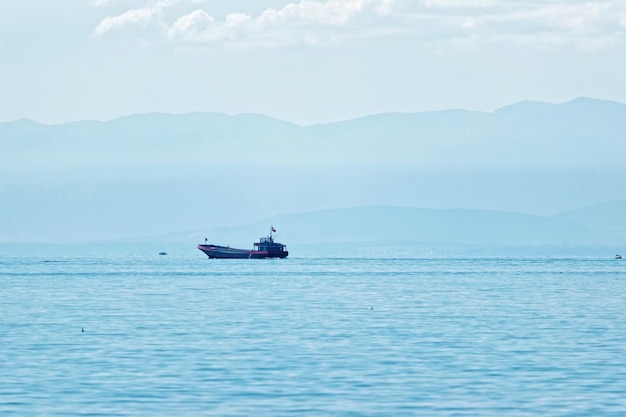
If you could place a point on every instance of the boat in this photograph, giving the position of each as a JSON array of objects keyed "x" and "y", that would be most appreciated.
[
  {"x": 162, "y": 253},
  {"x": 264, "y": 248},
  {"x": 618, "y": 256}
]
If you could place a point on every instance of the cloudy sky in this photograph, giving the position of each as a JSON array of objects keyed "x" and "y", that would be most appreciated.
[{"x": 306, "y": 61}]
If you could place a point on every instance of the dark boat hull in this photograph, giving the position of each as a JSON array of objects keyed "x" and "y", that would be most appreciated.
[{"x": 226, "y": 252}]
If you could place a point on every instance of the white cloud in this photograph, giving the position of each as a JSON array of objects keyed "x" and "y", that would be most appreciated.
[
  {"x": 548, "y": 23},
  {"x": 152, "y": 12},
  {"x": 313, "y": 22},
  {"x": 199, "y": 26},
  {"x": 129, "y": 18},
  {"x": 459, "y": 3},
  {"x": 101, "y": 3},
  {"x": 303, "y": 22},
  {"x": 194, "y": 21}
]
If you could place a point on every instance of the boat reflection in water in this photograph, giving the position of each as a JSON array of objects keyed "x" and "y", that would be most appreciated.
[{"x": 264, "y": 248}]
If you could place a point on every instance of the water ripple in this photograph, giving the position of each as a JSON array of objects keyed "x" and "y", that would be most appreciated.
[{"x": 315, "y": 336}]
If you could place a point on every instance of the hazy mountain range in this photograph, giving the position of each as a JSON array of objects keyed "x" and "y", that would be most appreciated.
[
  {"x": 158, "y": 173},
  {"x": 583, "y": 133},
  {"x": 601, "y": 225}
]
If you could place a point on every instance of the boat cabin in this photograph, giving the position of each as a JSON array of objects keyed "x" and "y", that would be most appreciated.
[{"x": 268, "y": 245}]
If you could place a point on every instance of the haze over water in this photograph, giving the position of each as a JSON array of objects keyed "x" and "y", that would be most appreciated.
[{"x": 184, "y": 335}]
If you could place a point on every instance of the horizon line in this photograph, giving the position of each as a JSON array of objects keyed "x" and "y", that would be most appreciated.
[{"x": 165, "y": 113}]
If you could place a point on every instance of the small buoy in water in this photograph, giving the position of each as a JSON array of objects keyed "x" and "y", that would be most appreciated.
[
  {"x": 82, "y": 330},
  {"x": 371, "y": 308}
]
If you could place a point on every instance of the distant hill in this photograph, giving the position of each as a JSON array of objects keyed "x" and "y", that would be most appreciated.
[
  {"x": 406, "y": 224},
  {"x": 155, "y": 173},
  {"x": 603, "y": 222},
  {"x": 580, "y": 133}
]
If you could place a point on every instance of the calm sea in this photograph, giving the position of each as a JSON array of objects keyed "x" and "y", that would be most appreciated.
[{"x": 182, "y": 335}]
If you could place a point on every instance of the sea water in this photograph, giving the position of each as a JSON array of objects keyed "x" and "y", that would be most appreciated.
[{"x": 182, "y": 335}]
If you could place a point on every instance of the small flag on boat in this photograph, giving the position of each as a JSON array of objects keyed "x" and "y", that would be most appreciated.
[{"x": 273, "y": 230}]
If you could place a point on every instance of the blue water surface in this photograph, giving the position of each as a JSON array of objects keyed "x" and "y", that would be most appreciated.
[{"x": 185, "y": 335}]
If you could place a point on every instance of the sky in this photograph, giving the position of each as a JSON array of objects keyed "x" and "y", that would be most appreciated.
[{"x": 308, "y": 61}]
